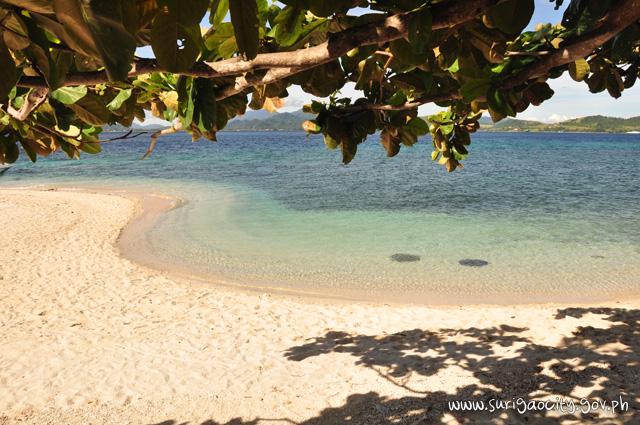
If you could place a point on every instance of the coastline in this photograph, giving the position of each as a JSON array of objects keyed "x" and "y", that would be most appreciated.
[
  {"x": 88, "y": 335},
  {"x": 134, "y": 245}
]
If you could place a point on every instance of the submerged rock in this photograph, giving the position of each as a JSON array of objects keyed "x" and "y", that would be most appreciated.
[
  {"x": 470, "y": 262},
  {"x": 405, "y": 258}
]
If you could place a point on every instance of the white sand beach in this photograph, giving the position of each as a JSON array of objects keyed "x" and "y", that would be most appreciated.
[{"x": 88, "y": 336}]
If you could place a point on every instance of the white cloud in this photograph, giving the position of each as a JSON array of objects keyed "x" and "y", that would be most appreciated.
[{"x": 554, "y": 118}]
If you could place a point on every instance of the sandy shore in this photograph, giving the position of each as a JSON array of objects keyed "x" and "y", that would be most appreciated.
[{"x": 87, "y": 336}]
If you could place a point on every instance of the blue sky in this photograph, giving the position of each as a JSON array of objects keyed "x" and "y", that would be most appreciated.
[{"x": 571, "y": 100}]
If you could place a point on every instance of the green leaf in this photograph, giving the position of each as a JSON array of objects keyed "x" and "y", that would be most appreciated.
[
  {"x": 330, "y": 142},
  {"x": 538, "y": 93},
  {"x": 91, "y": 148},
  {"x": 9, "y": 151},
  {"x": 405, "y": 55},
  {"x": 325, "y": 8},
  {"x": 120, "y": 98},
  {"x": 69, "y": 95},
  {"x": 172, "y": 42},
  {"x": 191, "y": 13},
  {"x": 349, "y": 149},
  {"x": 219, "y": 10},
  {"x": 8, "y": 72},
  {"x": 512, "y": 16},
  {"x": 97, "y": 29},
  {"x": 499, "y": 102},
  {"x": 615, "y": 85},
  {"x": 91, "y": 110},
  {"x": 418, "y": 126},
  {"x": 289, "y": 24},
  {"x": 38, "y": 50},
  {"x": 28, "y": 149},
  {"x": 244, "y": 17},
  {"x": 390, "y": 142},
  {"x": 323, "y": 80},
  {"x": 408, "y": 138},
  {"x": 61, "y": 62},
  {"x": 204, "y": 100},
  {"x": 420, "y": 29},
  {"x": 447, "y": 129},
  {"x": 579, "y": 70},
  {"x": 474, "y": 89}
]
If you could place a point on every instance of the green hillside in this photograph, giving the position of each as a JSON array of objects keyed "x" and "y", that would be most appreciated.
[
  {"x": 292, "y": 121},
  {"x": 600, "y": 123},
  {"x": 284, "y": 121},
  {"x": 591, "y": 124}
]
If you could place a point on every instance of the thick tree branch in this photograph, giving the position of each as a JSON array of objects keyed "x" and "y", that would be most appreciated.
[
  {"x": 445, "y": 15},
  {"x": 244, "y": 82}
]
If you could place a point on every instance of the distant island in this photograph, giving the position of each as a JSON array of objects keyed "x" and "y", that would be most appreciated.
[
  {"x": 591, "y": 124},
  {"x": 292, "y": 121}
]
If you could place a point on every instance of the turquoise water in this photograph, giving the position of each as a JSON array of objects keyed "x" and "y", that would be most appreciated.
[{"x": 555, "y": 216}]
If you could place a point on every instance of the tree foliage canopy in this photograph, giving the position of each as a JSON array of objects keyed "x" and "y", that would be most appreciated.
[{"x": 68, "y": 67}]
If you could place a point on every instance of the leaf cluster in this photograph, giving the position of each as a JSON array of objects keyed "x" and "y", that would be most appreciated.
[{"x": 83, "y": 53}]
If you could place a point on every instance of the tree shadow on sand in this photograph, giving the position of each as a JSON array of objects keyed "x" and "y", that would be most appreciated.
[{"x": 598, "y": 363}]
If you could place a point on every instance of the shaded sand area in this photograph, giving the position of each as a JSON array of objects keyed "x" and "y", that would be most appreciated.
[{"x": 87, "y": 336}]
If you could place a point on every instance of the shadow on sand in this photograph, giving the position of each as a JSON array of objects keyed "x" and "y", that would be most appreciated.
[{"x": 602, "y": 363}]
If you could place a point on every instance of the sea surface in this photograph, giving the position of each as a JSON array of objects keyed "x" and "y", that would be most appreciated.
[{"x": 531, "y": 217}]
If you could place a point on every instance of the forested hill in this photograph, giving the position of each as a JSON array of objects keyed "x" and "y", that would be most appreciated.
[
  {"x": 283, "y": 121},
  {"x": 596, "y": 124},
  {"x": 292, "y": 121}
]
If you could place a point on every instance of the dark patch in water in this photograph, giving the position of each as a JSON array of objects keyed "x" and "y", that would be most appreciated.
[
  {"x": 469, "y": 262},
  {"x": 405, "y": 258},
  {"x": 598, "y": 256}
]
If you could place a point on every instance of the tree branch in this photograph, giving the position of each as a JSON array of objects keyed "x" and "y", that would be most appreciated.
[
  {"x": 285, "y": 64},
  {"x": 34, "y": 99},
  {"x": 445, "y": 15},
  {"x": 404, "y": 106},
  {"x": 623, "y": 14},
  {"x": 127, "y": 136},
  {"x": 246, "y": 81},
  {"x": 175, "y": 127}
]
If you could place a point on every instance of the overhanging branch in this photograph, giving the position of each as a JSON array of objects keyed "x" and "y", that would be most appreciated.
[
  {"x": 445, "y": 15},
  {"x": 625, "y": 13}
]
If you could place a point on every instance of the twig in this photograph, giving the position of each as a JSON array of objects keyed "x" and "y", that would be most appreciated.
[
  {"x": 540, "y": 53},
  {"x": 175, "y": 127},
  {"x": 126, "y": 136}
]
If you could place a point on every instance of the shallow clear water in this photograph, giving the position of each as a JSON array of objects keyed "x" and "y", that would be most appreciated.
[{"x": 555, "y": 215}]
